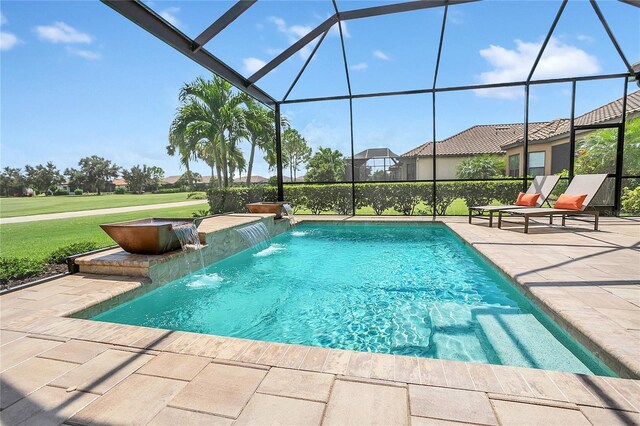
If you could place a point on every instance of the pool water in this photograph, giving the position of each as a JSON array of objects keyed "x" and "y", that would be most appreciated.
[{"x": 401, "y": 289}]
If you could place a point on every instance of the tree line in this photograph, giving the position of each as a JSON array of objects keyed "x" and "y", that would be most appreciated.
[{"x": 93, "y": 174}]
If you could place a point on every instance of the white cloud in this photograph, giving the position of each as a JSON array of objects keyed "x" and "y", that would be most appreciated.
[
  {"x": 273, "y": 52},
  {"x": 169, "y": 14},
  {"x": 381, "y": 55},
  {"x": 360, "y": 67},
  {"x": 8, "y": 41},
  {"x": 60, "y": 32},
  {"x": 334, "y": 31},
  {"x": 252, "y": 65},
  {"x": 559, "y": 60},
  {"x": 85, "y": 54},
  {"x": 585, "y": 38}
]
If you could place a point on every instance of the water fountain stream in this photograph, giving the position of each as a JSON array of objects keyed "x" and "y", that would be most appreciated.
[
  {"x": 255, "y": 235},
  {"x": 189, "y": 241},
  {"x": 289, "y": 210}
]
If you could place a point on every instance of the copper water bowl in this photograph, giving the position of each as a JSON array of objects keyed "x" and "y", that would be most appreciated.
[
  {"x": 267, "y": 207},
  {"x": 148, "y": 236}
]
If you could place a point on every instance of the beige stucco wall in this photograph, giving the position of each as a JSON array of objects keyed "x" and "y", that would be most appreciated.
[
  {"x": 445, "y": 167},
  {"x": 546, "y": 147}
]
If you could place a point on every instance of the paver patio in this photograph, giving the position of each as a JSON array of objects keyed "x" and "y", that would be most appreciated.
[{"x": 56, "y": 369}]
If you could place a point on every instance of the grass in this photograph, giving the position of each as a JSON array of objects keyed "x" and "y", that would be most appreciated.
[
  {"x": 27, "y": 206},
  {"x": 36, "y": 240}
]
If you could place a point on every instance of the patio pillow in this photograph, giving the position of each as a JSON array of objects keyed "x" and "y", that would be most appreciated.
[
  {"x": 527, "y": 200},
  {"x": 570, "y": 202}
]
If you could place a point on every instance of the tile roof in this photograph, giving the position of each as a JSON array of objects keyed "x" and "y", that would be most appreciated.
[
  {"x": 481, "y": 139},
  {"x": 561, "y": 127},
  {"x": 495, "y": 138}
]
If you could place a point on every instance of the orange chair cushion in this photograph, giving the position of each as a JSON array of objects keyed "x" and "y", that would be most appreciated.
[
  {"x": 527, "y": 200},
  {"x": 570, "y": 202}
]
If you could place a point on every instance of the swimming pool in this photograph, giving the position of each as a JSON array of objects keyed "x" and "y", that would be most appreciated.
[{"x": 403, "y": 289}]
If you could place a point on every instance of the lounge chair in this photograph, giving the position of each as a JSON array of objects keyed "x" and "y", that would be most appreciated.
[
  {"x": 580, "y": 185},
  {"x": 542, "y": 185}
]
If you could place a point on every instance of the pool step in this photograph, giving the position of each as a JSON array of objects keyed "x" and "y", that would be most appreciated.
[{"x": 521, "y": 340}]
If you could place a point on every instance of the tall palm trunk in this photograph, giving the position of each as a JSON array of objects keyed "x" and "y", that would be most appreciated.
[{"x": 250, "y": 166}]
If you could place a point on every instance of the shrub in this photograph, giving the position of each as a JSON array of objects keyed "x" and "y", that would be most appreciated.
[
  {"x": 201, "y": 213},
  {"x": 631, "y": 200},
  {"x": 78, "y": 191},
  {"x": 234, "y": 199},
  {"x": 341, "y": 198},
  {"x": 60, "y": 254},
  {"x": 197, "y": 196},
  {"x": 402, "y": 197},
  {"x": 60, "y": 192},
  {"x": 171, "y": 190},
  {"x": 377, "y": 196},
  {"x": 19, "y": 268},
  {"x": 296, "y": 196},
  {"x": 120, "y": 190}
]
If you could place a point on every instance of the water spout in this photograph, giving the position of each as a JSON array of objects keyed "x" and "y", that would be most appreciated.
[
  {"x": 189, "y": 241},
  {"x": 254, "y": 234},
  {"x": 289, "y": 210}
]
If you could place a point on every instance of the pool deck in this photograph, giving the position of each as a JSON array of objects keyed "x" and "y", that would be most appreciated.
[{"x": 55, "y": 369}]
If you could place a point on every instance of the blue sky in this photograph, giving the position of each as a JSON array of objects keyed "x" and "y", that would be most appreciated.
[{"x": 78, "y": 79}]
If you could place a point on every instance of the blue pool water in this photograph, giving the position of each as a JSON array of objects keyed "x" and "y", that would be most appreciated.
[{"x": 401, "y": 289}]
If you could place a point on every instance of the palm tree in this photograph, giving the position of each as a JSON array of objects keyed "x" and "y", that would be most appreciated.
[
  {"x": 210, "y": 122},
  {"x": 182, "y": 143},
  {"x": 260, "y": 132}
]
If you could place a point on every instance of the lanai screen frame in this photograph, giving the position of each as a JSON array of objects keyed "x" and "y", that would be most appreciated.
[{"x": 194, "y": 49}]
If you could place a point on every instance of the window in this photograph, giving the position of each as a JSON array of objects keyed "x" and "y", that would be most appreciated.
[
  {"x": 536, "y": 163},
  {"x": 411, "y": 171},
  {"x": 514, "y": 165}
]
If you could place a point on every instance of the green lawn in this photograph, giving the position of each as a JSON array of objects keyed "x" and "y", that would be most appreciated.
[
  {"x": 37, "y": 239},
  {"x": 26, "y": 206}
]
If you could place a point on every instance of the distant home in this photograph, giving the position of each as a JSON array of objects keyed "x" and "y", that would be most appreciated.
[
  {"x": 373, "y": 164},
  {"x": 417, "y": 164},
  {"x": 548, "y": 144}
]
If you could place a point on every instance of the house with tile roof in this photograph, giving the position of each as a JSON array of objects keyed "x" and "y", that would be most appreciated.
[
  {"x": 417, "y": 164},
  {"x": 548, "y": 144}
]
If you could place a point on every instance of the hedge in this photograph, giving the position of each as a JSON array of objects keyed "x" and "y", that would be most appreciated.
[{"x": 403, "y": 197}]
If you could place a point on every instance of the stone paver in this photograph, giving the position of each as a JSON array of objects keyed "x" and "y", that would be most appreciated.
[
  {"x": 174, "y": 366},
  {"x": 136, "y": 400},
  {"x": 451, "y": 404},
  {"x": 275, "y": 410},
  {"x": 509, "y": 412},
  {"x": 232, "y": 386},
  {"x": 46, "y": 406},
  {"x": 297, "y": 384},
  {"x": 103, "y": 372},
  {"x": 29, "y": 376},
  {"x": 173, "y": 416},
  {"x": 75, "y": 351},
  {"x": 363, "y": 403},
  {"x": 601, "y": 416},
  {"x": 20, "y": 350},
  {"x": 7, "y": 336}
]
